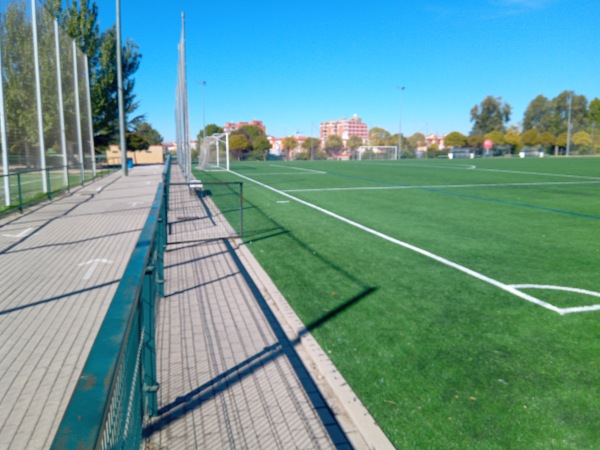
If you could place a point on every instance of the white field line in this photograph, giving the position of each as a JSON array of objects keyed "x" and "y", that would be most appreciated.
[
  {"x": 299, "y": 168},
  {"x": 575, "y": 309},
  {"x": 479, "y": 276},
  {"x": 540, "y": 173},
  {"x": 288, "y": 173},
  {"x": 474, "y": 167},
  {"x": 444, "y": 186}
]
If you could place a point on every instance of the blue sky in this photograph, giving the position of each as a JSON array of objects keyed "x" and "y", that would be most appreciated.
[{"x": 294, "y": 65}]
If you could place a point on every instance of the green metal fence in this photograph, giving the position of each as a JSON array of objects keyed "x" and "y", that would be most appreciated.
[
  {"x": 26, "y": 186},
  {"x": 116, "y": 392}
]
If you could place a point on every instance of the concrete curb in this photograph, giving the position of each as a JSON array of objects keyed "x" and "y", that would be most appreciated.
[{"x": 356, "y": 421}]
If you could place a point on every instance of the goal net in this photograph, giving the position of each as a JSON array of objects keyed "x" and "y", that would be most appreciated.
[
  {"x": 214, "y": 152},
  {"x": 377, "y": 152},
  {"x": 461, "y": 153}
]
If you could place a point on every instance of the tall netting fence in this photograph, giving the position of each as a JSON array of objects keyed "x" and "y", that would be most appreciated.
[
  {"x": 182, "y": 120},
  {"x": 45, "y": 122}
]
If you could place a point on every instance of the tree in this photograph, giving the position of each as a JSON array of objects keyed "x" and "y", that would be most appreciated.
[
  {"x": 378, "y": 136},
  {"x": 289, "y": 143},
  {"x": 209, "y": 130},
  {"x": 104, "y": 89},
  {"x": 537, "y": 114},
  {"x": 80, "y": 19},
  {"x": 135, "y": 141},
  {"x": 594, "y": 112},
  {"x": 490, "y": 115},
  {"x": 261, "y": 147},
  {"x": 333, "y": 144},
  {"x": 582, "y": 142},
  {"x": 238, "y": 145},
  {"x": 312, "y": 147},
  {"x": 416, "y": 140},
  {"x": 455, "y": 139},
  {"x": 496, "y": 137},
  {"x": 354, "y": 142},
  {"x": 547, "y": 140},
  {"x": 557, "y": 122},
  {"x": 530, "y": 138},
  {"x": 148, "y": 133},
  {"x": 513, "y": 138},
  {"x": 475, "y": 140}
]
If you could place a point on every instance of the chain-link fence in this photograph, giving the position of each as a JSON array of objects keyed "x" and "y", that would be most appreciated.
[{"x": 45, "y": 117}]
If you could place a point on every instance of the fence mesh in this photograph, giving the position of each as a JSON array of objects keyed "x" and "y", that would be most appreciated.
[{"x": 41, "y": 128}]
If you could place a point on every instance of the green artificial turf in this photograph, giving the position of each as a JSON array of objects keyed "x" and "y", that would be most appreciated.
[{"x": 442, "y": 359}]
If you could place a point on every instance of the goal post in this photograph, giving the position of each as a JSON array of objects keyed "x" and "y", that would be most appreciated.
[
  {"x": 377, "y": 152},
  {"x": 214, "y": 152}
]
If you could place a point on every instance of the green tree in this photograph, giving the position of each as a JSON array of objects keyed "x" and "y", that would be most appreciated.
[
  {"x": 558, "y": 118},
  {"x": 475, "y": 141},
  {"x": 537, "y": 114},
  {"x": 238, "y": 145},
  {"x": 354, "y": 142},
  {"x": 416, "y": 140},
  {"x": 148, "y": 133},
  {"x": 104, "y": 89},
  {"x": 135, "y": 141},
  {"x": 210, "y": 129},
  {"x": 490, "y": 115},
  {"x": 582, "y": 142},
  {"x": 333, "y": 144},
  {"x": 496, "y": 137},
  {"x": 378, "y": 136},
  {"x": 530, "y": 138},
  {"x": 261, "y": 147},
  {"x": 547, "y": 139},
  {"x": 594, "y": 112},
  {"x": 312, "y": 147},
  {"x": 513, "y": 138},
  {"x": 289, "y": 143},
  {"x": 455, "y": 139}
]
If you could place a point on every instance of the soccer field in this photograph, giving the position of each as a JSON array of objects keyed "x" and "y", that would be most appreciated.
[{"x": 467, "y": 290}]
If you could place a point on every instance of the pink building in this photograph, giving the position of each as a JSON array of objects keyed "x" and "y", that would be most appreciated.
[
  {"x": 230, "y": 126},
  {"x": 345, "y": 128}
]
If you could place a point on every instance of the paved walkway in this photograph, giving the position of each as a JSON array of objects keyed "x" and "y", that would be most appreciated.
[{"x": 60, "y": 264}]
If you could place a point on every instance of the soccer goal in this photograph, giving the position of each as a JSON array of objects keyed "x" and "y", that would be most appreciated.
[
  {"x": 377, "y": 152},
  {"x": 214, "y": 152},
  {"x": 461, "y": 153},
  {"x": 531, "y": 152}
]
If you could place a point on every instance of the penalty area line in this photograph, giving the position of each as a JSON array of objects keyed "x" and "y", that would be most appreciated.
[{"x": 428, "y": 254}]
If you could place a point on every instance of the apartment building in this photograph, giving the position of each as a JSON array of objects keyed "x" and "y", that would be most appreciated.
[
  {"x": 230, "y": 126},
  {"x": 345, "y": 128}
]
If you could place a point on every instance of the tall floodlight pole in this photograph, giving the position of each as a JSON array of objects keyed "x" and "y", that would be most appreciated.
[
  {"x": 7, "y": 198},
  {"x": 399, "y": 155},
  {"x": 120, "y": 91},
  {"x": 569, "y": 124},
  {"x": 203, "y": 112}
]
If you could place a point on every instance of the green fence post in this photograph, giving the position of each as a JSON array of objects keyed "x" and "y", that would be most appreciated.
[
  {"x": 20, "y": 192},
  {"x": 47, "y": 174},
  {"x": 148, "y": 301},
  {"x": 241, "y": 210}
]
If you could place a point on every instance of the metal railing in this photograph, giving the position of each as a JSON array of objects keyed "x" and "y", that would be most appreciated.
[
  {"x": 26, "y": 186},
  {"x": 116, "y": 392}
]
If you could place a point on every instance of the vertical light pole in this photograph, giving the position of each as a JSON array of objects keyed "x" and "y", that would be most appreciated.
[
  {"x": 203, "y": 114},
  {"x": 120, "y": 92},
  {"x": 569, "y": 124},
  {"x": 399, "y": 156}
]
